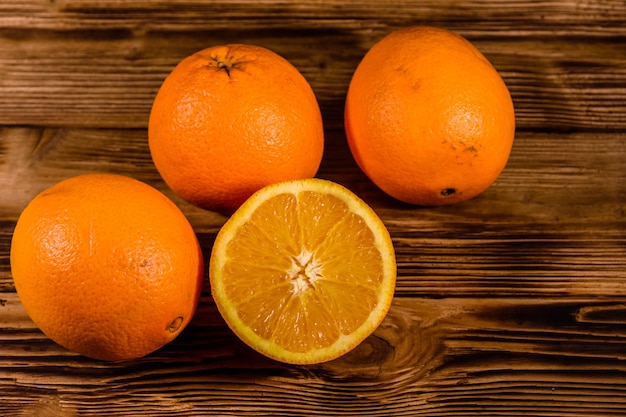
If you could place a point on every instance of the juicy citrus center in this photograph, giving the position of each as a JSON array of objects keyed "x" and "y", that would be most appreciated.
[{"x": 303, "y": 271}]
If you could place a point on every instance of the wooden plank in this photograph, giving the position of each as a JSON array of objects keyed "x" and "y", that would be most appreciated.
[
  {"x": 596, "y": 17},
  {"x": 99, "y": 64},
  {"x": 553, "y": 224},
  {"x": 453, "y": 357},
  {"x": 550, "y": 178}
]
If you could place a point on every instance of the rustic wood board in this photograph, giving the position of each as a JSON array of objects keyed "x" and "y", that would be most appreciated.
[{"x": 513, "y": 303}]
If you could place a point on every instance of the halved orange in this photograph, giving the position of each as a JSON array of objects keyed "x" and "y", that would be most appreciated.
[{"x": 303, "y": 271}]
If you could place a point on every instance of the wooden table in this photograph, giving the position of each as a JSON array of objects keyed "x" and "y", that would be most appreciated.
[{"x": 510, "y": 304}]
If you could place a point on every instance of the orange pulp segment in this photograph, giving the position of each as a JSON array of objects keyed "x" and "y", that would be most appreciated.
[{"x": 303, "y": 271}]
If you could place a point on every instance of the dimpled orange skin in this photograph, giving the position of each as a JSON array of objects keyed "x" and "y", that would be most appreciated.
[
  {"x": 428, "y": 118},
  {"x": 231, "y": 119},
  {"x": 106, "y": 266}
]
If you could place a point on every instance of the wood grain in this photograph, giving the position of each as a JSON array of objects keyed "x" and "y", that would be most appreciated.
[
  {"x": 513, "y": 303},
  {"x": 517, "y": 238},
  {"x": 99, "y": 64},
  {"x": 458, "y": 356}
]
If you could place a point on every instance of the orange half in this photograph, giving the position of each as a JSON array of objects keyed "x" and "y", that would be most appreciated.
[{"x": 303, "y": 271}]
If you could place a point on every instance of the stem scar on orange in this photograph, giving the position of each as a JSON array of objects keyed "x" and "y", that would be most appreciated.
[
  {"x": 106, "y": 266},
  {"x": 428, "y": 118},
  {"x": 303, "y": 271},
  {"x": 231, "y": 119}
]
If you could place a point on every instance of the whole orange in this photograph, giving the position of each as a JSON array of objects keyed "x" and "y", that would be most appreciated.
[
  {"x": 106, "y": 266},
  {"x": 231, "y": 119},
  {"x": 428, "y": 118}
]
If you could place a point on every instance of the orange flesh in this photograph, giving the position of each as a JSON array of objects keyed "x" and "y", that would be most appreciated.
[{"x": 298, "y": 301}]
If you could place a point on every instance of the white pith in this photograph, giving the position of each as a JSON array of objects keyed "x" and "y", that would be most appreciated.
[{"x": 304, "y": 271}]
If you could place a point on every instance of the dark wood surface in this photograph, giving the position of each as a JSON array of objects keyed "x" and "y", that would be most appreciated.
[{"x": 510, "y": 304}]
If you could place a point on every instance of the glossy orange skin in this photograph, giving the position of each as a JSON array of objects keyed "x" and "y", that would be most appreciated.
[
  {"x": 106, "y": 266},
  {"x": 231, "y": 119},
  {"x": 428, "y": 118}
]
